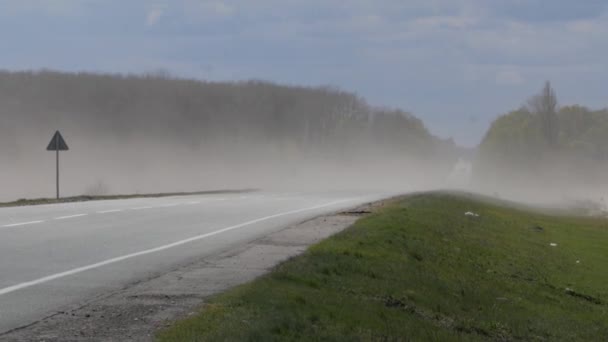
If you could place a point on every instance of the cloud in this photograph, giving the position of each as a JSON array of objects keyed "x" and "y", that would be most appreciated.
[
  {"x": 50, "y": 7},
  {"x": 205, "y": 10},
  {"x": 444, "y": 22},
  {"x": 221, "y": 8},
  {"x": 154, "y": 15},
  {"x": 539, "y": 11},
  {"x": 509, "y": 77}
]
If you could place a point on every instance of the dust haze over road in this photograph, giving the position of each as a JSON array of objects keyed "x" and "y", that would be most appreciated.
[
  {"x": 152, "y": 133},
  {"x": 456, "y": 64},
  {"x": 155, "y": 133},
  {"x": 311, "y": 150}
]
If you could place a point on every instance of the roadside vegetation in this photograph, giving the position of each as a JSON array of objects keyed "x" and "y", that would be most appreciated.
[
  {"x": 420, "y": 269},
  {"x": 84, "y": 198},
  {"x": 543, "y": 144}
]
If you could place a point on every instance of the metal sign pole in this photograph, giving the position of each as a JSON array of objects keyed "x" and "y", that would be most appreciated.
[
  {"x": 57, "y": 154},
  {"x": 57, "y": 144}
]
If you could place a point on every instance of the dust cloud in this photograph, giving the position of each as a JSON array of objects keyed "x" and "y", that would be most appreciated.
[
  {"x": 151, "y": 133},
  {"x": 136, "y": 134}
]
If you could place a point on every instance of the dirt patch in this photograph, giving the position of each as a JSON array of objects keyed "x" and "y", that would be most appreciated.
[
  {"x": 583, "y": 296},
  {"x": 538, "y": 229},
  {"x": 357, "y": 212}
]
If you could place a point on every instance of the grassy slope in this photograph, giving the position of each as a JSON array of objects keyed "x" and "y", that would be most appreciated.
[{"x": 421, "y": 270}]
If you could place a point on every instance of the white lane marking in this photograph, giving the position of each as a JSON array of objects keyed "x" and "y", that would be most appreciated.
[
  {"x": 142, "y": 208},
  {"x": 21, "y": 224},
  {"x": 169, "y": 205},
  {"x": 69, "y": 217},
  {"x": 110, "y": 211},
  {"x": 46, "y": 279},
  {"x": 193, "y": 203}
]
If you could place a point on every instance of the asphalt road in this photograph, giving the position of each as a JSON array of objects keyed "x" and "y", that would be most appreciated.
[{"x": 57, "y": 256}]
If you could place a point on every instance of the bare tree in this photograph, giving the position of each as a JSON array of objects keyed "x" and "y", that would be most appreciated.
[{"x": 544, "y": 105}]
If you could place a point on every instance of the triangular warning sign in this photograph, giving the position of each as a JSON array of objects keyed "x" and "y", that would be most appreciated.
[{"x": 57, "y": 143}]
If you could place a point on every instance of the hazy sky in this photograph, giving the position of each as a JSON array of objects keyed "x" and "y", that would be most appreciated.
[{"x": 456, "y": 64}]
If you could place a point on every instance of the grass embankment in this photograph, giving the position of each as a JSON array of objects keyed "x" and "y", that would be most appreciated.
[
  {"x": 420, "y": 269},
  {"x": 84, "y": 198}
]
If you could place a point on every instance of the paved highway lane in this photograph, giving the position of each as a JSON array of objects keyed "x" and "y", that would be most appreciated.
[{"x": 59, "y": 256}]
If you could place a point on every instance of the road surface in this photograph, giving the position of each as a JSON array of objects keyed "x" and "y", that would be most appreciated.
[{"x": 53, "y": 256}]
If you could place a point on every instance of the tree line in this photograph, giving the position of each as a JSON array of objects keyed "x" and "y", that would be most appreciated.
[
  {"x": 547, "y": 142},
  {"x": 195, "y": 113}
]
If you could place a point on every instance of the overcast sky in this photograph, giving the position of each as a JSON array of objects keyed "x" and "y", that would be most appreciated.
[{"x": 456, "y": 64}]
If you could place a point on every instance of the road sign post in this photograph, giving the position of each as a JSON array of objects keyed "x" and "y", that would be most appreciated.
[{"x": 57, "y": 144}]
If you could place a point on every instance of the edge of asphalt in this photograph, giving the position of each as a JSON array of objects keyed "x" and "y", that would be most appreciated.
[
  {"x": 87, "y": 198},
  {"x": 139, "y": 310}
]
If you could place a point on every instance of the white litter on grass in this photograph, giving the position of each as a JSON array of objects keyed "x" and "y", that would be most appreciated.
[
  {"x": 470, "y": 213},
  {"x": 578, "y": 261},
  {"x": 552, "y": 244}
]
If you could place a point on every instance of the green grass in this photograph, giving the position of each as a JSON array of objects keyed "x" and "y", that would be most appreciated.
[
  {"x": 83, "y": 198},
  {"x": 420, "y": 270}
]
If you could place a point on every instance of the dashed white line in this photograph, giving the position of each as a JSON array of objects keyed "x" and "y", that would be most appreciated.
[
  {"x": 168, "y": 205},
  {"x": 55, "y": 276},
  {"x": 192, "y": 203},
  {"x": 110, "y": 211},
  {"x": 21, "y": 224},
  {"x": 70, "y": 216},
  {"x": 142, "y": 208}
]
